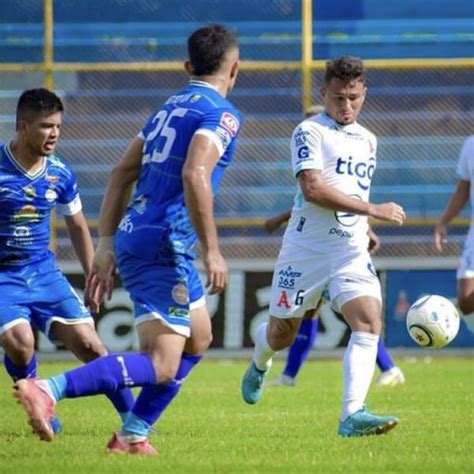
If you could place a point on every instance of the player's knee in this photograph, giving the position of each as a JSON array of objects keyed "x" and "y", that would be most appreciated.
[
  {"x": 20, "y": 348},
  {"x": 89, "y": 349},
  {"x": 202, "y": 344},
  {"x": 466, "y": 305},
  {"x": 279, "y": 340}
]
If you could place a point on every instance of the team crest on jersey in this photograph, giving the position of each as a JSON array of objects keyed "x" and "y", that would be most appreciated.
[
  {"x": 230, "y": 123},
  {"x": 51, "y": 195},
  {"x": 30, "y": 192},
  {"x": 300, "y": 137},
  {"x": 179, "y": 294}
]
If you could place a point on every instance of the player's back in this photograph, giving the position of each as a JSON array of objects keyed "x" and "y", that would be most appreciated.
[{"x": 158, "y": 204}]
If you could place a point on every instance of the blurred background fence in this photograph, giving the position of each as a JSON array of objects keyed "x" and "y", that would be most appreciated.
[{"x": 114, "y": 61}]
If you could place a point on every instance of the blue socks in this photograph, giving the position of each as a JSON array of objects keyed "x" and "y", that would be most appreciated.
[
  {"x": 105, "y": 375},
  {"x": 17, "y": 372},
  {"x": 154, "y": 399},
  {"x": 384, "y": 361},
  {"x": 301, "y": 346}
]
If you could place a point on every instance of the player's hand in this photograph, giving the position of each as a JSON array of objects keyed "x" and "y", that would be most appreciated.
[
  {"x": 388, "y": 211},
  {"x": 272, "y": 224},
  {"x": 100, "y": 281},
  {"x": 374, "y": 241},
  {"x": 217, "y": 273},
  {"x": 440, "y": 236}
]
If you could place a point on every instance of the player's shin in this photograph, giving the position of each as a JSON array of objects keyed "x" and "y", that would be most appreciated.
[
  {"x": 104, "y": 375},
  {"x": 359, "y": 366},
  {"x": 18, "y": 372},
  {"x": 122, "y": 400},
  {"x": 263, "y": 353},
  {"x": 154, "y": 399}
]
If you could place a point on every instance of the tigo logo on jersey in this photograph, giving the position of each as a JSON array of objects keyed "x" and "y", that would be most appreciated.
[
  {"x": 361, "y": 169},
  {"x": 230, "y": 123}
]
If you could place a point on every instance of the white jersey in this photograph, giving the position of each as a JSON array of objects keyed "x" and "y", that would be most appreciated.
[
  {"x": 465, "y": 172},
  {"x": 346, "y": 156},
  {"x": 465, "y": 169}
]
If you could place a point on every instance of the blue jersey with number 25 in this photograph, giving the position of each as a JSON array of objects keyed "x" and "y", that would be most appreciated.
[{"x": 156, "y": 225}]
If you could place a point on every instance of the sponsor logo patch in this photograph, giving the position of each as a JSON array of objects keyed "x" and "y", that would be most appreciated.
[
  {"x": 179, "y": 294},
  {"x": 50, "y": 195},
  {"x": 230, "y": 123},
  {"x": 178, "y": 312}
]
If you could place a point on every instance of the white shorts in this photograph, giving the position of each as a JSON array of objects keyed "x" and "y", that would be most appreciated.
[
  {"x": 466, "y": 262},
  {"x": 300, "y": 277}
]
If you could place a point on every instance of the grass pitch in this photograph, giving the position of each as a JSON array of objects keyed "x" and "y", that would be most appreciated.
[{"x": 209, "y": 429}]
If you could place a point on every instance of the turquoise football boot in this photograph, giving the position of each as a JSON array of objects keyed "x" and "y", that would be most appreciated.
[
  {"x": 252, "y": 383},
  {"x": 363, "y": 423}
]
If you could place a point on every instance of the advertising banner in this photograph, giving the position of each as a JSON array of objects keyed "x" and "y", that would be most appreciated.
[
  {"x": 244, "y": 305},
  {"x": 402, "y": 288}
]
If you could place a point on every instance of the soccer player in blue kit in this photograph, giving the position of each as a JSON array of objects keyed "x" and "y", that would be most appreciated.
[
  {"x": 177, "y": 162},
  {"x": 33, "y": 181}
]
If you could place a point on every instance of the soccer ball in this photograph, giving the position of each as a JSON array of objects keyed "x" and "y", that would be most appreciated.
[{"x": 433, "y": 321}]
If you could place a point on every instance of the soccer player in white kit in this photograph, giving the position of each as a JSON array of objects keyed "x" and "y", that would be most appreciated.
[
  {"x": 465, "y": 272},
  {"x": 325, "y": 243}
]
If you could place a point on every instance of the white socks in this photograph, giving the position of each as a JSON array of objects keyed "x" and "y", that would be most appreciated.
[
  {"x": 263, "y": 353},
  {"x": 359, "y": 366}
]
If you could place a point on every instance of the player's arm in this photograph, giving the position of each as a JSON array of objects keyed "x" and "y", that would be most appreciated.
[
  {"x": 81, "y": 240},
  {"x": 117, "y": 195},
  {"x": 453, "y": 208},
  {"x": 274, "y": 222},
  {"x": 202, "y": 157},
  {"x": 317, "y": 191}
]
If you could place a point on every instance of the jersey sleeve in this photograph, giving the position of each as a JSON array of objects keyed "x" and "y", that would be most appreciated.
[
  {"x": 306, "y": 148},
  {"x": 221, "y": 126},
  {"x": 466, "y": 156},
  {"x": 69, "y": 199}
]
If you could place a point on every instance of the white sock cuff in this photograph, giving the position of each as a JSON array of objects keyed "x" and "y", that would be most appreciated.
[
  {"x": 367, "y": 337},
  {"x": 263, "y": 352}
]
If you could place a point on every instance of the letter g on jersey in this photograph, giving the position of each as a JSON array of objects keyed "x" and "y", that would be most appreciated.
[{"x": 303, "y": 152}]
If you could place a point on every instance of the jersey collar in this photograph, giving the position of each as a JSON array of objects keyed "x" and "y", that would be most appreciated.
[
  {"x": 195, "y": 82},
  {"x": 20, "y": 167}
]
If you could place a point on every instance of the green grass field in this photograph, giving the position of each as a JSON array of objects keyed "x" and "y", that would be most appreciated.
[{"x": 209, "y": 429}]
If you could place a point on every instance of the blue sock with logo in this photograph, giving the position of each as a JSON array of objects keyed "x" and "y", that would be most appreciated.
[
  {"x": 154, "y": 399},
  {"x": 106, "y": 374},
  {"x": 384, "y": 361},
  {"x": 301, "y": 346},
  {"x": 18, "y": 372}
]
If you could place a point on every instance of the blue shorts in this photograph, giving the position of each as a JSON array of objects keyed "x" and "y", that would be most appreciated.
[
  {"x": 40, "y": 294},
  {"x": 162, "y": 291}
]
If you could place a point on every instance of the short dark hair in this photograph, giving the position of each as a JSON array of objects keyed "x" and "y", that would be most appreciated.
[
  {"x": 207, "y": 48},
  {"x": 37, "y": 102},
  {"x": 345, "y": 68}
]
